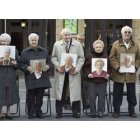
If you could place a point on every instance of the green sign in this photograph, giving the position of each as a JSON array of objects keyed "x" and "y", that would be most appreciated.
[{"x": 71, "y": 24}]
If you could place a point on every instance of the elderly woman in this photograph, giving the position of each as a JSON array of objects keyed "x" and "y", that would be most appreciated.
[
  {"x": 8, "y": 87},
  {"x": 124, "y": 45},
  {"x": 35, "y": 85},
  {"x": 5, "y": 39},
  {"x": 96, "y": 85},
  {"x": 67, "y": 83}
]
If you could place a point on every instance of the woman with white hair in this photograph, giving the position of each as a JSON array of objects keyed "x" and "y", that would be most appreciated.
[
  {"x": 5, "y": 39},
  {"x": 35, "y": 84},
  {"x": 128, "y": 46},
  {"x": 9, "y": 91},
  {"x": 96, "y": 80}
]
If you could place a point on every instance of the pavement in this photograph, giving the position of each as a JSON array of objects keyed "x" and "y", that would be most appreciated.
[{"x": 68, "y": 117}]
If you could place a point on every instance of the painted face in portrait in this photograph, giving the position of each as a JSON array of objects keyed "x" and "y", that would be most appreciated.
[
  {"x": 7, "y": 53},
  {"x": 128, "y": 61},
  {"x": 38, "y": 67},
  {"x": 68, "y": 62},
  {"x": 99, "y": 64}
]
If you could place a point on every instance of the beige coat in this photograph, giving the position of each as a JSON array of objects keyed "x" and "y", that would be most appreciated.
[
  {"x": 74, "y": 80},
  {"x": 117, "y": 48}
]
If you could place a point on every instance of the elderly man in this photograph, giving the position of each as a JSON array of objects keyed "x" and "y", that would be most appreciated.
[
  {"x": 124, "y": 45},
  {"x": 67, "y": 83},
  {"x": 35, "y": 85}
]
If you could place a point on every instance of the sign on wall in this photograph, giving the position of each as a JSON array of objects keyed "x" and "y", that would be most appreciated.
[{"x": 72, "y": 24}]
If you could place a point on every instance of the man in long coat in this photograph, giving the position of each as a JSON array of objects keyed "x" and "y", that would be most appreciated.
[{"x": 67, "y": 83}]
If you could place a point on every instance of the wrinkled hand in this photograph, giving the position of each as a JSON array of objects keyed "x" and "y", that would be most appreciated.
[
  {"x": 61, "y": 69},
  {"x": 14, "y": 62},
  {"x": 107, "y": 76},
  {"x": 47, "y": 68},
  {"x": 29, "y": 69},
  {"x": 73, "y": 70},
  {"x": 90, "y": 75}
]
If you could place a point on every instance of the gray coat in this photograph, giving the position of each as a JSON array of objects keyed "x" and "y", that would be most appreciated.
[
  {"x": 30, "y": 80},
  {"x": 8, "y": 87},
  {"x": 74, "y": 80}
]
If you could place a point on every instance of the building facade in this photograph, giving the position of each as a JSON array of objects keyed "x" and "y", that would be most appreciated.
[{"x": 49, "y": 30}]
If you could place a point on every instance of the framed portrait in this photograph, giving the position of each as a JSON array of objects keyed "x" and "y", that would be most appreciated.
[
  {"x": 68, "y": 59},
  {"x": 99, "y": 67},
  {"x": 3, "y": 50},
  {"x": 38, "y": 65},
  {"x": 127, "y": 63},
  {"x": 71, "y": 24}
]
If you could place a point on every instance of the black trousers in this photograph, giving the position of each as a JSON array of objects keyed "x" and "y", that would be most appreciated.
[
  {"x": 35, "y": 101},
  {"x": 118, "y": 96},
  {"x": 76, "y": 105}
]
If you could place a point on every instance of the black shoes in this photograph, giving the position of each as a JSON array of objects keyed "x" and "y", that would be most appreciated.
[
  {"x": 1, "y": 117},
  {"x": 31, "y": 116},
  {"x": 133, "y": 115},
  {"x": 40, "y": 116},
  {"x": 76, "y": 115},
  {"x": 100, "y": 115},
  {"x": 92, "y": 116},
  {"x": 8, "y": 117},
  {"x": 115, "y": 114},
  {"x": 58, "y": 116}
]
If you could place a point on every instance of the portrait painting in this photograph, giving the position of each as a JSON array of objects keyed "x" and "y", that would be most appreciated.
[
  {"x": 68, "y": 60},
  {"x": 38, "y": 65},
  {"x": 99, "y": 67},
  {"x": 127, "y": 63}
]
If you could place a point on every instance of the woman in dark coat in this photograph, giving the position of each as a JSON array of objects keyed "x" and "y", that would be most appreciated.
[
  {"x": 8, "y": 87},
  {"x": 35, "y": 86},
  {"x": 95, "y": 85}
]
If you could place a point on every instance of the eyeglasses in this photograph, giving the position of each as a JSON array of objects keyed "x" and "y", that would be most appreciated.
[{"x": 127, "y": 32}]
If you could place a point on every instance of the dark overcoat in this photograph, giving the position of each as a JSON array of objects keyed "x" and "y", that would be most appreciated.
[
  {"x": 8, "y": 86},
  {"x": 24, "y": 61}
]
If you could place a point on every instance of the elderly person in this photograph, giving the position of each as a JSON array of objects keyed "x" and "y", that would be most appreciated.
[
  {"x": 96, "y": 85},
  {"x": 124, "y": 45},
  {"x": 8, "y": 87},
  {"x": 5, "y": 39},
  {"x": 35, "y": 85},
  {"x": 67, "y": 83},
  {"x": 81, "y": 38}
]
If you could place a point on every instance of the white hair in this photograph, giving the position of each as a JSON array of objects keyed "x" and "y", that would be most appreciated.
[
  {"x": 65, "y": 30},
  {"x": 69, "y": 58},
  {"x": 129, "y": 57},
  {"x": 7, "y": 49},
  {"x": 36, "y": 62},
  {"x": 33, "y": 35},
  {"x": 98, "y": 42},
  {"x": 126, "y": 28},
  {"x": 6, "y": 37}
]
